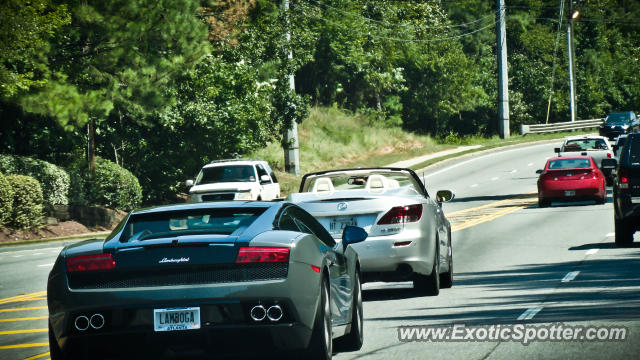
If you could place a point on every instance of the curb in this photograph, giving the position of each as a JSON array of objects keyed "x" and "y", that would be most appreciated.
[{"x": 79, "y": 237}]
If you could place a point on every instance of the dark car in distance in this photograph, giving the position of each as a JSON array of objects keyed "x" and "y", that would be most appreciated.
[
  {"x": 619, "y": 123},
  {"x": 626, "y": 191},
  {"x": 205, "y": 279}
]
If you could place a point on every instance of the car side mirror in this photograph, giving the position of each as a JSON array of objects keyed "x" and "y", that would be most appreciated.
[
  {"x": 556, "y": 150},
  {"x": 353, "y": 235},
  {"x": 189, "y": 183},
  {"x": 609, "y": 164},
  {"x": 539, "y": 171},
  {"x": 265, "y": 179},
  {"x": 444, "y": 195}
]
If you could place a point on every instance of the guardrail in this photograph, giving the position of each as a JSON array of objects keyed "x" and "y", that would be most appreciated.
[{"x": 558, "y": 127}]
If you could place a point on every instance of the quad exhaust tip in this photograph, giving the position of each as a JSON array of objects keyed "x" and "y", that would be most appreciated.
[
  {"x": 81, "y": 323},
  {"x": 96, "y": 321},
  {"x": 274, "y": 313},
  {"x": 258, "y": 313}
]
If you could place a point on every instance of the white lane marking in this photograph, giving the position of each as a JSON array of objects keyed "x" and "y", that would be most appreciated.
[
  {"x": 611, "y": 234},
  {"x": 18, "y": 256},
  {"x": 480, "y": 157},
  {"x": 474, "y": 185},
  {"x": 530, "y": 164},
  {"x": 570, "y": 276},
  {"x": 494, "y": 178},
  {"x": 514, "y": 171},
  {"x": 54, "y": 249},
  {"x": 592, "y": 251},
  {"x": 530, "y": 313},
  {"x": 36, "y": 254},
  {"x": 43, "y": 265}
]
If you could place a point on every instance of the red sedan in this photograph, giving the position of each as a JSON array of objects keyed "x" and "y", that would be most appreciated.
[{"x": 569, "y": 178}]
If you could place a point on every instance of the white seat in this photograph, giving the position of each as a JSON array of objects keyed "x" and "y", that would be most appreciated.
[
  {"x": 323, "y": 185},
  {"x": 376, "y": 183}
]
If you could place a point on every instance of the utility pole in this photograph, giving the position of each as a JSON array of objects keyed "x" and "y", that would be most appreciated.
[
  {"x": 503, "y": 77},
  {"x": 573, "y": 14},
  {"x": 291, "y": 151}
]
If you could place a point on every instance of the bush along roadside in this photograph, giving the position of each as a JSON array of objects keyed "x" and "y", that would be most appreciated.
[
  {"x": 112, "y": 186},
  {"x": 53, "y": 179},
  {"x": 6, "y": 200},
  {"x": 27, "y": 201}
]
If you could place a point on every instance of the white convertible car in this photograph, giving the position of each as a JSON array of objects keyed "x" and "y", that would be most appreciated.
[{"x": 409, "y": 236}]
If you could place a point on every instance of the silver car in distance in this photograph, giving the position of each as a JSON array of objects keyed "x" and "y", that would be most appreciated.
[{"x": 409, "y": 236}]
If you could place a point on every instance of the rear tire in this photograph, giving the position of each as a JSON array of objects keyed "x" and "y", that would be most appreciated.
[
  {"x": 321, "y": 343},
  {"x": 429, "y": 284},
  {"x": 624, "y": 233},
  {"x": 354, "y": 339},
  {"x": 543, "y": 203},
  {"x": 55, "y": 353},
  {"x": 446, "y": 279}
]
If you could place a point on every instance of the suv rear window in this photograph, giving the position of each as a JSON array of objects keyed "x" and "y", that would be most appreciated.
[
  {"x": 229, "y": 173},
  {"x": 188, "y": 222}
]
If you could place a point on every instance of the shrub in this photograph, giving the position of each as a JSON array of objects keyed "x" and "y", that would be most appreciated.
[
  {"x": 6, "y": 200},
  {"x": 27, "y": 201},
  {"x": 113, "y": 186},
  {"x": 53, "y": 180}
]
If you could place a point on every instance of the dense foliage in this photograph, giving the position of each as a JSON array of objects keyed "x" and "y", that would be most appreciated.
[
  {"x": 171, "y": 84},
  {"x": 27, "y": 201},
  {"x": 6, "y": 200},
  {"x": 53, "y": 180},
  {"x": 111, "y": 186}
]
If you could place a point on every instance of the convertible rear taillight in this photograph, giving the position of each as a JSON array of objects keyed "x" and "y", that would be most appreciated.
[
  {"x": 262, "y": 255},
  {"x": 402, "y": 214},
  {"x": 90, "y": 263}
]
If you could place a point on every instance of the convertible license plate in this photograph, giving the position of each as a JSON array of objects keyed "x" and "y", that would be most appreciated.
[
  {"x": 175, "y": 319},
  {"x": 338, "y": 224},
  {"x": 570, "y": 193}
]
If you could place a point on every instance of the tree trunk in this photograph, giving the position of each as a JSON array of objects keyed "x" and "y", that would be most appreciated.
[{"x": 92, "y": 147}]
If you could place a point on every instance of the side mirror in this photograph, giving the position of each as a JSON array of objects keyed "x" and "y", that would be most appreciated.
[
  {"x": 265, "y": 179},
  {"x": 609, "y": 164},
  {"x": 538, "y": 171},
  {"x": 189, "y": 183},
  {"x": 353, "y": 235},
  {"x": 444, "y": 195},
  {"x": 556, "y": 150}
]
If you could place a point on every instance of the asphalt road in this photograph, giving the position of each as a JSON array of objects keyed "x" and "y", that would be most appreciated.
[{"x": 514, "y": 264}]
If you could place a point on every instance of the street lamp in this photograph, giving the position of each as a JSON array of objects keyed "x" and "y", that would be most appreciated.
[{"x": 573, "y": 14}]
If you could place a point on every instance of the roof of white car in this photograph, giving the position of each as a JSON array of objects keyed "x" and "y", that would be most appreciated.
[
  {"x": 579, "y": 137},
  {"x": 233, "y": 162}
]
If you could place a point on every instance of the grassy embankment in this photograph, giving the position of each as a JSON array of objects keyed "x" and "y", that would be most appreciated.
[{"x": 333, "y": 139}]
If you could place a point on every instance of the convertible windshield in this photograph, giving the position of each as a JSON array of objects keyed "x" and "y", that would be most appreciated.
[
  {"x": 188, "y": 222},
  {"x": 618, "y": 117},
  {"x": 585, "y": 144},
  {"x": 569, "y": 164},
  {"x": 373, "y": 181},
  {"x": 231, "y": 173}
]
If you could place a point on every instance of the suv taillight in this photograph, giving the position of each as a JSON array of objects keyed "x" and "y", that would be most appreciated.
[
  {"x": 623, "y": 178},
  {"x": 90, "y": 263},
  {"x": 402, "y": 214}
]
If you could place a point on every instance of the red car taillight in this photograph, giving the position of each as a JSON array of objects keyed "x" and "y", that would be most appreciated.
[
  {"x": 402, "y": 214},
  {"x": 254, "y": 254},
  {"x": 623, "y": 176},
  {"x": 91, "y": 263}
]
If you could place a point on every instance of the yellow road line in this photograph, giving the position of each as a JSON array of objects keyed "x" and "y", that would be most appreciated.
[
  {"x": 466, "y": 218},
  {"x": 24, "y": 308},
  {"x": 17, "y": 346},
  {"x": 23, "y": 297},
  {"x": 24, "y": 319},
  {"x": 37, "y": 356},
  {"x": 28, "y": 331}
]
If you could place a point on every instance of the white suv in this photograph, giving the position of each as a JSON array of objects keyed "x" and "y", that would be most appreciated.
[{"x": 234, "y": 180}]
